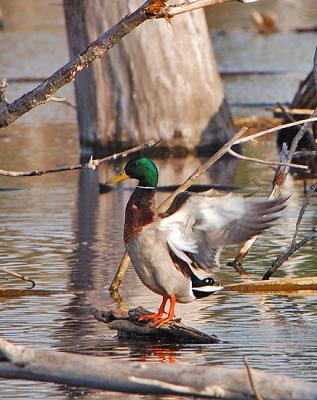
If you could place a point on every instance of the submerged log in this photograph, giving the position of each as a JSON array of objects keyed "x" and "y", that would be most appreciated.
[
  {"x": 277, "y": 285},
  {"x": 19, "y": 362},
  {"x": 129, "y": 327}
]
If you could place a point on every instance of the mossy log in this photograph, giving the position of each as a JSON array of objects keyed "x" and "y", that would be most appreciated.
[{"x": 129, "y": 327}]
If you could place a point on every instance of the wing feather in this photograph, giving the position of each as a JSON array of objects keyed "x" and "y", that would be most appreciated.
[{"x": 200, "y": 225}]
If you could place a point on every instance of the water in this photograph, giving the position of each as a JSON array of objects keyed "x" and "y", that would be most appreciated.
[{"x": 61, "y": 231}]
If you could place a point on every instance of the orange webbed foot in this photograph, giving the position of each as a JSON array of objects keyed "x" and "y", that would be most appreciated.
[
  {"x": 162, "y": 321},
  {"x": 170, "y": 316},
  {"x": 157, "y": 315},
  {"x": 150, "y": 316}
]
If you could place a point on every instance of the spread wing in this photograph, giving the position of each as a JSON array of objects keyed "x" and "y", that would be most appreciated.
[{"x": 197, "y": 227}]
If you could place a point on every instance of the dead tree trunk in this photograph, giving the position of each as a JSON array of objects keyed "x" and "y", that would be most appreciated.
[{"x": 160, "y": 81}]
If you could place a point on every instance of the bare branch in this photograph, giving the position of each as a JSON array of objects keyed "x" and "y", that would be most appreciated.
[
  {"x": 285, "y": 256},
  {"x": 92, "y": 164},
  {"x": 169, "y": 11},
  {"x": 17, "y": 275},
  {"x": 63, "y": 100},
  {"x": 279, "y": 179},
  {"x": 257, "y": 160},
  {"x": 256, "y": 392},
  {"x": 278, "y": 128},
  {"x": 311, "y": 191},
  {"x": 67, "y": 73}
]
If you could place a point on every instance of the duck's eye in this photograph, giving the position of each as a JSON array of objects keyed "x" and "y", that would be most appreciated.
[{"x": 209, "y": 281}]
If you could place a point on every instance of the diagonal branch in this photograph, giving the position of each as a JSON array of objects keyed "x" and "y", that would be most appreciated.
[{"x": 153, "y": 9}]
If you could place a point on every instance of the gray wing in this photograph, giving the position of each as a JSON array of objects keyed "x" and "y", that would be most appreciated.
[{"x": 202, "y": 225}]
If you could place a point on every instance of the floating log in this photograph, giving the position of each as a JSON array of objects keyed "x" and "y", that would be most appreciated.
[
  {"x": 129, "y": 327},
  {"x": 20, "y": 362},
  {"x": 276, "y": 285},
  {"x": 296, "y": 113}
]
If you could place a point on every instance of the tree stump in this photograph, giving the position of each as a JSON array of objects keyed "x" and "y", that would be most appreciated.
[
  {"x": 159, "y": 81},
  {"x": 129, "y": 327}
]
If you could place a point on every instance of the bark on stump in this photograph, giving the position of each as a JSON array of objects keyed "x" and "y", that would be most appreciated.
[{"x": 159, "y": 81}]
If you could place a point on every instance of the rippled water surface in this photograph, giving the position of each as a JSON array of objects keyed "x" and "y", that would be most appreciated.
[{"x": 68, "y": 237}]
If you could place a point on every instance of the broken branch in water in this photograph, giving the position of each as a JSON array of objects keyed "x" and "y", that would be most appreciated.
[
  {"x": 91, "y": 164},
  {"x": 309, "y": 194},
  {"x": 20, "y": 362},
  {"x": 294, "y": 246},
  {"x": 285, "y": 256},
  {"x": 25, "y": 278}
]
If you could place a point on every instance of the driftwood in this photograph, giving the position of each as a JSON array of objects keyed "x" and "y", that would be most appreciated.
[
  {"x": 129, "y": 327},
  {"x": 19, "y": 362},
  {"x": 277, "y": 285}
]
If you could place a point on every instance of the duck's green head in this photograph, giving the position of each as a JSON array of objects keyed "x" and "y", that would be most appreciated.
[{"x": 141, "y": 168}]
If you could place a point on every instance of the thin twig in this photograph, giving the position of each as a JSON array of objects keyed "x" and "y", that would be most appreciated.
[
  {"x": 91, "y": 164},
  {"x": 310, "y": 192},
  {"x": 257, "y": 394},
  {"x": 313, "y": 118},
  {"x": 257, "y": 160},
  {"x": 170, "y": 11},
  {"x": 294, "y": 246},
  {"x": 17, "y": 275},
  {"x": 285, "y": 256},
  {"x": 63, "y": 100}
]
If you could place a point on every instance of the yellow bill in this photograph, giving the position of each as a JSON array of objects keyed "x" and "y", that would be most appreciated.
[{"x": 122, "y": 176}]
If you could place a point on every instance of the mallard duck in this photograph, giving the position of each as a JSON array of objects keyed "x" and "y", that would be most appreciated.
[{"x": 175, "y": 252}]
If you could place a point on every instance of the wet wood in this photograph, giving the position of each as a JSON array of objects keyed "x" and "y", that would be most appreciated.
[
  {"x": 296, "y": 113},
  {"x": 19, "y": 362},
  {"x": 129, "y": 327},
  {"x": 277, "y": 285}
]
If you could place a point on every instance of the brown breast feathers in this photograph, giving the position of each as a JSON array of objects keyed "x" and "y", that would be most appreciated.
[{"x": 140, "y": 211}]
